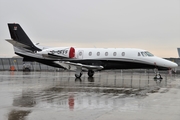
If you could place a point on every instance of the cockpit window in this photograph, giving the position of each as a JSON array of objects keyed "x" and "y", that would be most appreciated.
[
  {"x": 139, "y": 54},
  {"x": 143, "y": 54},
  {"x": 146, "y": 53},
  {"x": 149, "y": 54}
]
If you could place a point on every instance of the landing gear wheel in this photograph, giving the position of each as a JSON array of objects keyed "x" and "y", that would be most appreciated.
[
  {"x": 78, "y": 76},
  {"x": 90, "y": 73},
  {"x": 158, "y": 76}
]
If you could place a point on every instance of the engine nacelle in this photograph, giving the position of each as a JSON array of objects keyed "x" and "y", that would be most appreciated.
[{"x": 67, "y": 52}]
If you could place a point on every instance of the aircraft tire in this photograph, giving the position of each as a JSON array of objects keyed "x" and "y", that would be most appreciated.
[
  {"x": 90, "y": 73},
  {"x": 158, "y": 77},
  {"x": 78, "y": 76}
]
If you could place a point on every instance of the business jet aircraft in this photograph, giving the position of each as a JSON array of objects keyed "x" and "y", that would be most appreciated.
[{"x": 91, "y": 59}]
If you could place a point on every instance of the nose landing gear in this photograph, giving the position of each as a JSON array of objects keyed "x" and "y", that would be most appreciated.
[{"x": 158, "y": 75}]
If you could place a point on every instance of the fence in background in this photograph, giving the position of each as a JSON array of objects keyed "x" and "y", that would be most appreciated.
[{"x": 17, "y": 64}]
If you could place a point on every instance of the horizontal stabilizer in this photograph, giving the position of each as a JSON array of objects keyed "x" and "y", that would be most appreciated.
[{"x": 17, "y": 44}]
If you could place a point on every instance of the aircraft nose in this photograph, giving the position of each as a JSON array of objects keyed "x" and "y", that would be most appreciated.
[
  {"x": 170, "y": 64},
  {"x": 174, "y": 65}
]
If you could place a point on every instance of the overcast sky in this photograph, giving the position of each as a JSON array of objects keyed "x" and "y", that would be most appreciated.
[{"x": 153, "y": 25}]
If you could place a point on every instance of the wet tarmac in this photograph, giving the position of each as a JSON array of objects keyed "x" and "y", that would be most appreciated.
[{"x": 109, "y": 95}]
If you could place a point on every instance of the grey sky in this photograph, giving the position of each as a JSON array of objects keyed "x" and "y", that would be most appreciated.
[{"x": 153, "y": 25}]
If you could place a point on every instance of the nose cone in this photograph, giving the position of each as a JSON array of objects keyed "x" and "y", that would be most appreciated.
[
  {"x": 166, "y": 63},
  {"x": 174, "y": 65},
  {"x": 171, "y": 64}
]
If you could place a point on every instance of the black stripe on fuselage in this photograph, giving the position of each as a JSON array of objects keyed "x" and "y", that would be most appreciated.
[
  {"x": 106, "y": 63},
  {"x": 115, "y": 64}
]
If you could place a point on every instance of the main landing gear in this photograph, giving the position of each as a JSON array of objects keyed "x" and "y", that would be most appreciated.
[
  {"x": 78, "y": 73},
  {"x": 90, "y": 73},
  {"x": 158, "y": 75}
]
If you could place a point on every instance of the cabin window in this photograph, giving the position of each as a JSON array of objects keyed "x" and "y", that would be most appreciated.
[
  {"x": 123, "y": 54},
  {"x": 98, "y": 53},
  {"x": 114, "y": 54},
  {"x": 139, "y": 54},
  {"x": 90, "y": 53},
  {"x": 106, "y": 53},
  {"x": 80, "y": 53}
]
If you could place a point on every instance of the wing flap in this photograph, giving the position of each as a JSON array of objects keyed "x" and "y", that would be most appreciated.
[{"x": 73, "y": 66}]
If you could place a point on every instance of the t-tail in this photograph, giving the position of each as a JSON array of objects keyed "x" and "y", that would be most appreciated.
[
  {"x": 25, "y": 48},
  {"x": 20, "y": 39}
]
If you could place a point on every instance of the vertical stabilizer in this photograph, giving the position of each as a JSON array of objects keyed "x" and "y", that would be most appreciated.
[{"x": 18, "y": 35}]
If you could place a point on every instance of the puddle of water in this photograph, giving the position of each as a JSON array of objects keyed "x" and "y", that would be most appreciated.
[{"x": 30, "y": 93}]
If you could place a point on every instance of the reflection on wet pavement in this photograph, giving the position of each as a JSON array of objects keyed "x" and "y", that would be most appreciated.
[
  {"x": 17, "y": 115},
  {"x": 26, "y": 95}
]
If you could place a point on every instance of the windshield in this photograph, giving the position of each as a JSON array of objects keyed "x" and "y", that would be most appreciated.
[
  {"x": 143, "y": 54},
  {"x": 148, "y": 53}
]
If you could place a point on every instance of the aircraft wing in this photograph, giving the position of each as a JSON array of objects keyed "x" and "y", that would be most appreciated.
[
  {"x": 73, "y": 66},
  {"x": 55, "y": 57}
]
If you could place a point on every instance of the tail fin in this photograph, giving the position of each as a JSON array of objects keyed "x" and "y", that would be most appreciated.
[{"x": 18, "y": 35}]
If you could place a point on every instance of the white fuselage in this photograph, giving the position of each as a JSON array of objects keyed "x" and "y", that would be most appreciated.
[{"x": 113, "y": 54}]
